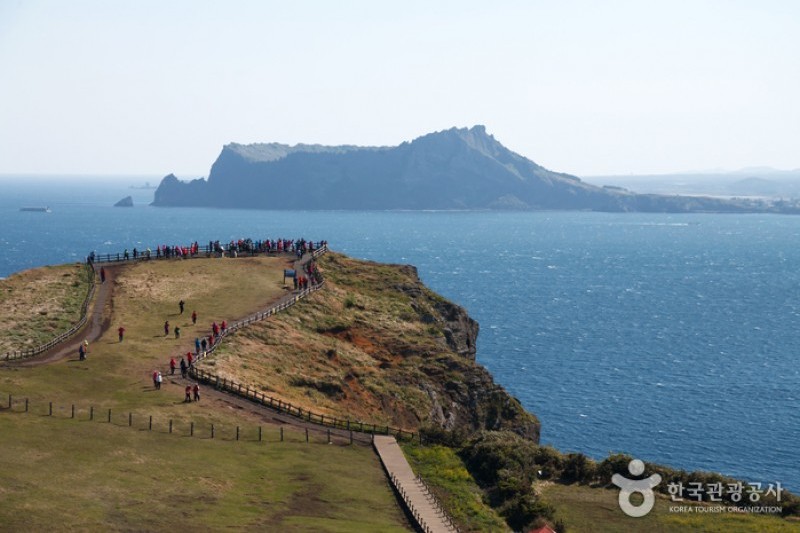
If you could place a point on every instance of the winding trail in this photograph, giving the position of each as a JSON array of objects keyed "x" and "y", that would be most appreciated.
[
  {"x": 411, "y": 490},
  {"x": 97, "y": 324}
]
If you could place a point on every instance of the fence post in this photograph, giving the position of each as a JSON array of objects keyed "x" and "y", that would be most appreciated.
[
  {"x": 26, "y": 405},
  {"x": 306, "y": 434},
  {"x": 259, "y": 433},
  {"x": 237, "y": 432},
  {"x": 191, "y": 429},
  {"x": 109, "y": 416},
  {"x": 329, "y": 436},
  {"x": 281, "y": 433},
  {"x": 73, "y": 410},
  {"x": 130, "y": 419},
  {"x": 170, "y": 425},
  {"x": 150, "y": 424},
  {"x": 212, "y": 431},
  {"x": 91, "y": 412},
  {"x": 9, "y": 401}
]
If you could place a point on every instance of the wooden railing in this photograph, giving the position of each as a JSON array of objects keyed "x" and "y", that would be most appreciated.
[{"x": 30, "y": 352}]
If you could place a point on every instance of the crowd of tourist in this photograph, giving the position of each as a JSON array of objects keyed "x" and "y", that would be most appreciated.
[{"x": 232, "y": 248}]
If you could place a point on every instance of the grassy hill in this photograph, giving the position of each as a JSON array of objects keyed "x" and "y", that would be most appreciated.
[
  {"x": 58, "y": 473},
  {"x": 374, "y": 344}
]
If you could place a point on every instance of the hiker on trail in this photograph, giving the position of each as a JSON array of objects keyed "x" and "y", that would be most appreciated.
[
  {"x": 166, "y": 328},
  {"x": 194, "y": 317},
  {"x": 188, "y": 394},
  {"x": 102, "y": 274},
  {"x": 224, "y": 326},
  {"x": 86, "y": 345},
  {"x": 172, "y": 365},
  {"x": 81, "y": 352},
  {"x": 180, "y": 304},
  {"x": 197, "y": 345},
  {"x": 177, "y": 332},
  {"x": 126, "y": 255},
  {"x": 183, "y": 368},
  {"x": 204, "y": 344},
  {"x": 121, "y": 332},
  {"x": 215, "y": 329},
  {"x": 210, "y": 341},
  {"x": 189, "y": 358},
  {"x": 196, "y": 391},
  {"x": 155, "y": 379},
  {"x": 159, "y": 379}
]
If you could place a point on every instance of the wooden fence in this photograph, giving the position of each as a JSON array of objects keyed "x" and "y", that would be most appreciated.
[
  {"x": 203, "y": 251},
  {"x": 183, "y": 428},
  {"x": 30, "y": 352},
  {"x": 299, "y": 413},
  {"x": 426, "y": 493},
  {"x": 276, "y": 404}
]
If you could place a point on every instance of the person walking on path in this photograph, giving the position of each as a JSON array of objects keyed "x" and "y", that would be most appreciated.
[
  {"x": 204, "y": 344},
  {"x": 172, "y": 365},
  {"x": 177, "y": 332},
  {"x": 155, "y": 379},
  {"x": 188, "y": 397},
  {"x": 166, "y": 328},
  {"x": 159, "y": 379},
  {"x": 194, "y": 317},
  {"x": 215, "y": 329},
  {"x": 181, "y": 304},
  {"x": 224, "y": 326},
  {"x": 197, "y": 345},
  {"x": 183, "y": 367},
  {"x": 121, "y": 332},
  {"x": 196, "y": 391},
  {"x": 189, "y": 358},
  {"x": 102, "y": 274},
  {"x": 81, "y": 353}
]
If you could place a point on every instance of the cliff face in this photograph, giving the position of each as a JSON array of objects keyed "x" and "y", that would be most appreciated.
[
  {"x": 376, "y": 345},
  {"x": 451, "y": 169}
]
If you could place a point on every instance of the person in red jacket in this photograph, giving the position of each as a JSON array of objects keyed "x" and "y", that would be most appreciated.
[
  {"x": 172, "y": 365},
  {"x": 188, "y": 397},
  {"x": 121, "y": 332},
  {"x": 166, "y": 328},
  {"x": 196, "y": 390},
  {"x": 194, "y": 317},
  {"x": 224, "y": 326},
  {"x": 189, "y": 358}
]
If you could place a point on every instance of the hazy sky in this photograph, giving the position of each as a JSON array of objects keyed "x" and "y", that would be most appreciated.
[{"x": 586, "y": 87}]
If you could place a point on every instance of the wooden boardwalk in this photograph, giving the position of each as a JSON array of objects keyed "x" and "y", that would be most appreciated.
[{"x": 419, "y": 501}]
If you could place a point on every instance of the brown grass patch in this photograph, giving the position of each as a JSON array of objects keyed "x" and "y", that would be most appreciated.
[{"x": 40, "y": 304}]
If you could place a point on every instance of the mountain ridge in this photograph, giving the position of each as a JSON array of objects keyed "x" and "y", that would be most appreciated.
[{"x": 457, "y": 168}]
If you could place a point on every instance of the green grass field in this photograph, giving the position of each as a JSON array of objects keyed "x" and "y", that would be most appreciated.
[
  {"x": 593, "y": 510},
  {"x": 58, "y": 473}
]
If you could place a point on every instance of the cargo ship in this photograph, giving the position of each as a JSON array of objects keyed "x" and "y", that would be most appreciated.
[{"x": 44, "y": 209}]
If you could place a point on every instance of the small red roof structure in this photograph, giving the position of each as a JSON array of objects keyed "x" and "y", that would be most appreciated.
[{"x": 543, "y": 529}]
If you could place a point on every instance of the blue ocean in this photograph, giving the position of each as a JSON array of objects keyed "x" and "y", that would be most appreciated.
[{"x": 675, "y": 338}]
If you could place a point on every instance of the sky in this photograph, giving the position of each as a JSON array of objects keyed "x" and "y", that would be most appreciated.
[{"x": 146, "y": 87}]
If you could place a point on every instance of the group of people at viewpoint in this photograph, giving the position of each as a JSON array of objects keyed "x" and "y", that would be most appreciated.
[
  {"x": 192, "y": 391},
  {"x": 298, "y": 247}
]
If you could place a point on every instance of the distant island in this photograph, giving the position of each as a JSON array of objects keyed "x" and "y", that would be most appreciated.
[
  {"x": 459, "y": 168},
  {"x": 125, "y": 202}
]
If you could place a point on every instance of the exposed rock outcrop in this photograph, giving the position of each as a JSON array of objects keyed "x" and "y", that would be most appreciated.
[{"x": 125, "y": 202}]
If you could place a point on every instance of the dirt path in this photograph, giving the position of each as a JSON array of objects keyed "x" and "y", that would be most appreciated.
[
  {"x": 99, "y": 322},
  {"x": 96, "y": 325}
]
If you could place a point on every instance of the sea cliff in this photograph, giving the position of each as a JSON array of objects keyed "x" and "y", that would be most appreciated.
[{"x": 458, "y": 168}]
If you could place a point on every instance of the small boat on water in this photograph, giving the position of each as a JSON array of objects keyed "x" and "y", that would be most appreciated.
[{"x": 44, "y": 209}]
